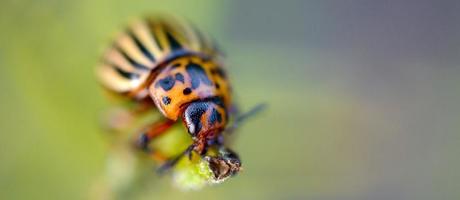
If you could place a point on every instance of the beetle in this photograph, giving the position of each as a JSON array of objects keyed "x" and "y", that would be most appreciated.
[{"x": 176, "y": 69}]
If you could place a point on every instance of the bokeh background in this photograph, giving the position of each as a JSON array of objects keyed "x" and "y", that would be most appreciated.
[{"x": 363, "y": 96}]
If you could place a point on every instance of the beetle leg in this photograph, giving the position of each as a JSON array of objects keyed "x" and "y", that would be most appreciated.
[
  {"x": 198, "y": 146},
  {"x": 168, "y": 164},
  {"x": 151, "y": 132}
]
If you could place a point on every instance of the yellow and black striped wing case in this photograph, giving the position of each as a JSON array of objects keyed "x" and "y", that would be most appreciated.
[{"x": 136, "y": 52}]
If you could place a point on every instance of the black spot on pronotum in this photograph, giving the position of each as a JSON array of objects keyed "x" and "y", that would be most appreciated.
[
  {"x": 220, "y": 72},
  {"x": 193, "y": 115},
  {"x": 197, "y": 75},
  {"x": 187, "y": 91},
  {"x": 166, "y": 83},
  {"x": 166, "y": 100},
  {"x": 180, "y": 77},
  {"x": 217, "y": 86},
  {"x": 215, "y": 116}
]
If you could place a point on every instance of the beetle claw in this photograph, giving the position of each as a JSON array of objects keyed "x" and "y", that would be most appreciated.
[{"x": 142, "y": 142}]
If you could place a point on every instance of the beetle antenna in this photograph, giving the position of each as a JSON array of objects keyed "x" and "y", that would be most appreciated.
[{"x": 245, "y": 116}]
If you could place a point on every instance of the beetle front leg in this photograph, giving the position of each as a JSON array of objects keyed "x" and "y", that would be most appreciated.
[
  {"x": 168, "y": 164},
  {"x": 151, "y": 132}
]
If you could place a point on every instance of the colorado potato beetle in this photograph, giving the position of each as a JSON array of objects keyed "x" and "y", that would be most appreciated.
[{"x": 176, "y": 69}]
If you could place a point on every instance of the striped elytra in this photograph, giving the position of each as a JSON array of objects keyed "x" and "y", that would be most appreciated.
[{"x": 139, "y": 50}]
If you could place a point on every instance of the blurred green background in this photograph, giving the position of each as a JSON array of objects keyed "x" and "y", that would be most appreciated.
[{"x": 363, "y": 96}]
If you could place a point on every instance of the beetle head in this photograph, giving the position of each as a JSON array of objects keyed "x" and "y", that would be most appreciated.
[{"x": 204, "y": 119}]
